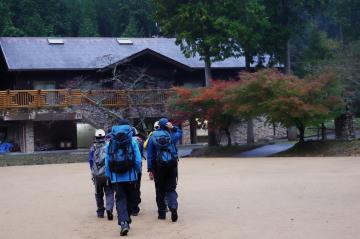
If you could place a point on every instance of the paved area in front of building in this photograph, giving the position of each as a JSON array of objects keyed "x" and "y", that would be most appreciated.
[{"x": 254, "y": 198}]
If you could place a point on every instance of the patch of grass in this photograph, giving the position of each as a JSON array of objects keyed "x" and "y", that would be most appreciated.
[
  {"x": 36, "y": 159},
  {"x": 223, "y": 151},
  {"x": 323, "y": 148}
]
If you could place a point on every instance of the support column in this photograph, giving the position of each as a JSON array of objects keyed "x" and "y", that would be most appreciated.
[
  {"x": 186, "y": 138},
  {"x": 344, "y": 127},
  {"x": 29, "y": 137},
  {"x": 193, "y": 135},
  {"x": 292, "y": 133}
]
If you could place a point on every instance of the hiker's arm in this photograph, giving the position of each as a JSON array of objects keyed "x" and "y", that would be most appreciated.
[
  {"x": 176, "y": 134},
  {"x": 150, "y": 155},
  {"x": 91, "y": 157},
  {"x": 137, "y": 155}
]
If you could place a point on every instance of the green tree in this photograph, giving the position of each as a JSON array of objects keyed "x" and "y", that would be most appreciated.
[
  {"x": 88, "y": 23},
  {"x": 346, "y": 64},
  {"x": 287, "y": 19},
  {"x": 247, "y": 24},
  {"x": 311, "y": 49},
  {"x": 6, "y": 25},
  {"x": 200, "y": 28},
  {"x": 348, "y": 17},
  {"x": 25, "y": 15},
  {"x": 141, "y": 18}
]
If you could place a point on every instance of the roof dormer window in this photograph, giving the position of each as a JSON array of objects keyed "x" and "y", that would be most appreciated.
[
  {"x": 124, "y": 41},
  {"x": 55, "y": 41}
]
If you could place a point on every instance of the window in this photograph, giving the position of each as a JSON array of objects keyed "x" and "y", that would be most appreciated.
[
  {"x": 44, "y": 85},
  {"x": 55, "y": 41},
  {"x": 124, "y": 41}
]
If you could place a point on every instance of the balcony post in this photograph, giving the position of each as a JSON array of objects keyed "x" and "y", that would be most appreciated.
[
  {"x": 29, "y": 142},
  {"x": 7, "y": 99},
  {"x": 38, "y": 97}
]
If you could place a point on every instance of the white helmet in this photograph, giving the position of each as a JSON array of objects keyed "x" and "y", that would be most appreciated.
[
  {"x": 135, "y": 132},
  {"x": 156, "y": 125},
  {"x": 99, "y": 133}
]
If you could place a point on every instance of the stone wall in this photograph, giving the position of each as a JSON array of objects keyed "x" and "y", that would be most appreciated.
[
  {"x": 262, "y": 132},
  {"x": 344, "y": 127}
]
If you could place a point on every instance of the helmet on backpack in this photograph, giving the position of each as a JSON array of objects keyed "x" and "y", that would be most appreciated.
[
  {"x": 156, "y": 125},
  {"x": 135, "y": 132},
  {"x": 99, "y": 133}
]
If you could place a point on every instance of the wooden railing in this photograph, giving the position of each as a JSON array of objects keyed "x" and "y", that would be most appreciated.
[{"x": 18, "y": 99}]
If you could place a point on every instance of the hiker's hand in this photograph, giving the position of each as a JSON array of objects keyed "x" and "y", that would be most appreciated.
[
  {"x": 108, "y": 182},
  {"x": 151, "y": 176},
  {"x": 169, "y": 125}
]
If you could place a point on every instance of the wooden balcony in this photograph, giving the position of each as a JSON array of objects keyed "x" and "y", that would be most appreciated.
[{"x": 32, "y": 99}]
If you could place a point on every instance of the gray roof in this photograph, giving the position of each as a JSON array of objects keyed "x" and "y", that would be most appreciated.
[{"x": 35, "y": 53}]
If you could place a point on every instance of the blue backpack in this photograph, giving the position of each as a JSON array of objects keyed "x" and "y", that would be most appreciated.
[
  {"x": 122, "y": 158},
  {"x": 167, "y": 156}
]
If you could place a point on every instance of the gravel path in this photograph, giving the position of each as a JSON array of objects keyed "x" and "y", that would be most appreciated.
[{"x": 253, "y": 198}]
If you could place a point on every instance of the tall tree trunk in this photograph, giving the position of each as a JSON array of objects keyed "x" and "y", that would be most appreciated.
[
  {"x": 250, "y": 132},
  {"x": 323, "y": 132},
  {"x": 301, "y": 129},
  {"x": 193, "y": 130},
  {"x": 288, "y": 58},
  {"x": 228, "y": 136},
  {"x": 248, "y": 60},
  {"x": 341, "y": 35},
  {"x": 208, "y": 75},
  {"x": 285, "y": 22},
  {"x": 250, "y": 137},
  {"x": 291, "y": 132},
  {"x": 212, "y": 140}
]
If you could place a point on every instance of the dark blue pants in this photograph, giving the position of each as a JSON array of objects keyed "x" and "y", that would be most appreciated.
[
  {"x": 136, "y": 208},
  {"x": 125, "y": 200},
  {"x": 165, "y": 186},
  {"x": 100, "y": 189}
]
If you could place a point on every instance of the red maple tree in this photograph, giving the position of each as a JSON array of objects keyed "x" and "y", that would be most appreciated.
[{"x": 206, "y": 104}]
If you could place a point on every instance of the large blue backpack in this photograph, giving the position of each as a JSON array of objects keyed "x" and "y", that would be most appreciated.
[
  {"x": 166, "y": 153},
  {"x": 122, "y": 157}
]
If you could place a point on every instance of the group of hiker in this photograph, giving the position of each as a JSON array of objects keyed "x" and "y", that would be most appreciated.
[{"x": 115, "y": 161}]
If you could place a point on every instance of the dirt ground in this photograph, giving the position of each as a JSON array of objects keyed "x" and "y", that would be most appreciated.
[{"x": 255, "y": 198}]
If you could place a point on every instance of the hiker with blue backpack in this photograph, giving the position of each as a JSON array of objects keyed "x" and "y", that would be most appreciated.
[
  {"x": 162, "y": 162},
  {"x": 122, "y": 165},
  {"x": 102, "y": 186}
]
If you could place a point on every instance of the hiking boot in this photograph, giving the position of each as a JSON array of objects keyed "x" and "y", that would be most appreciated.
[
  {"x": 174, "y": 215},
  {"x": 100, "y": 215},
  {"x": 162, "y": 216},
  {"x": 124, "y": 228},
  {"x": 110, "y": 216},
  {"x": 134, "y": 214}
]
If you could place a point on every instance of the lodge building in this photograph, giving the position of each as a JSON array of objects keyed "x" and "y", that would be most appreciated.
[{"x": 37, "y": 106}]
